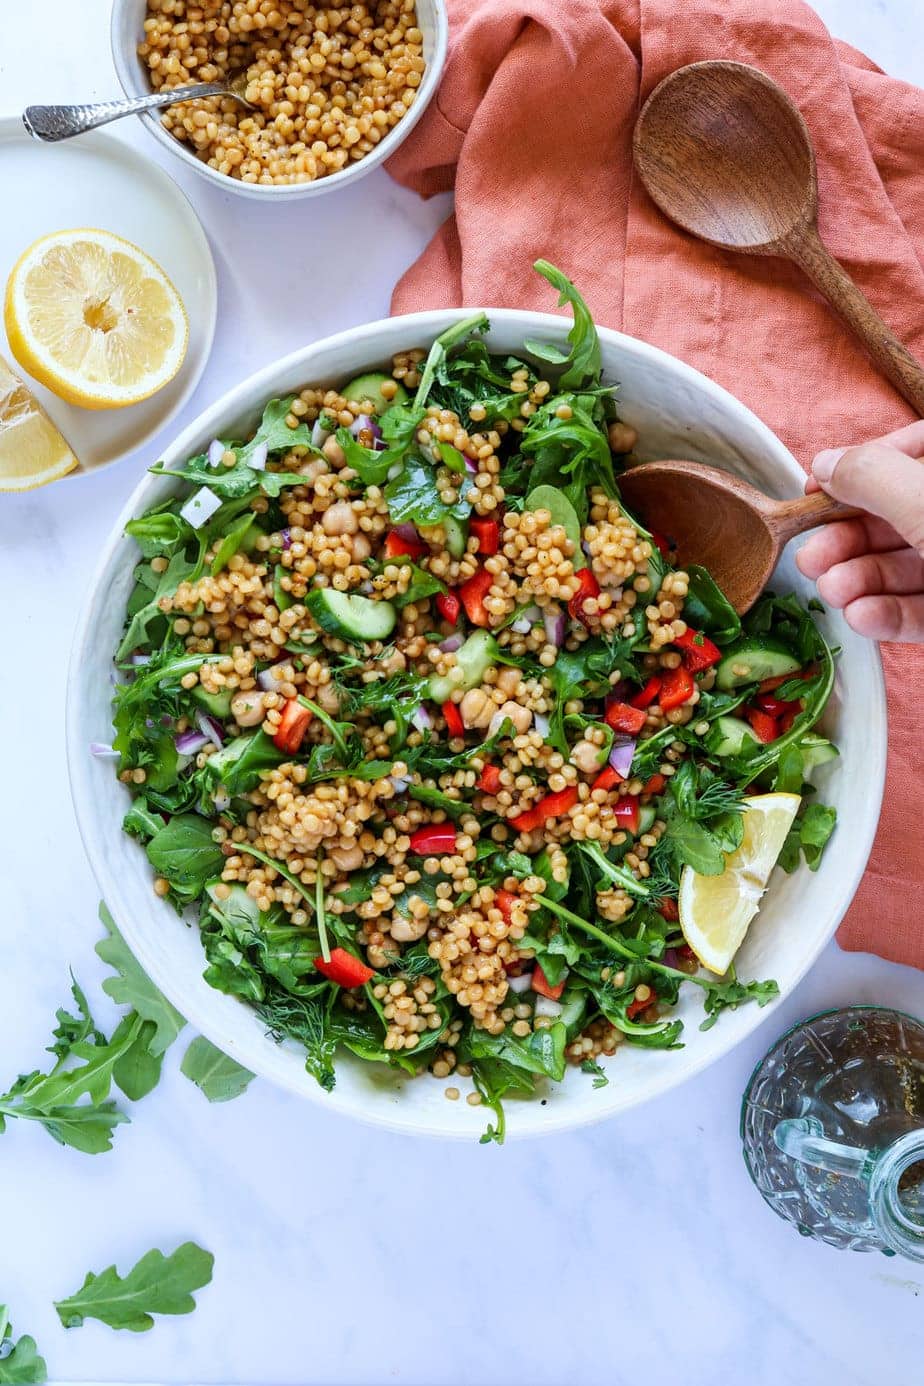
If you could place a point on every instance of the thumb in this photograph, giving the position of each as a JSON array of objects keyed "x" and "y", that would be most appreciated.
[{"x": 880, "y": 479}]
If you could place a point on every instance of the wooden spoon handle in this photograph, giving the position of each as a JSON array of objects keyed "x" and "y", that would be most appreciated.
[
  {"x": 830, "y": 278},
  {"x": 789, "y": 518}
]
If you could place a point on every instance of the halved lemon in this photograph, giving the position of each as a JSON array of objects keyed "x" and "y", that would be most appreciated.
[
  {"x": 32, "y": 451},
  {"x": 94, "y": 319},
  {"x": 715, "y": 911}
]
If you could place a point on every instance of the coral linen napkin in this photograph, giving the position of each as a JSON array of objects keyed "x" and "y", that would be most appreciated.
[{"x": 532, "y": 127}]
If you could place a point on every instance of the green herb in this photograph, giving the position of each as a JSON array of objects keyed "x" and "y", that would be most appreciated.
[
  {"x": 600, "y": 1078},
  {"x": 20, "y": 1363},
  {"x": 440, "y": 349},
  {"x": 217, "y": 1076},
  {"x": 158, "y": 1284}
]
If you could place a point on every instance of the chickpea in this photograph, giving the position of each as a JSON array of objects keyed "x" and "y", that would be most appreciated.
[
  {"x": 340, "y": 518},
  {"x": 347, "y": 858},
  {"x": 395, "y": 663},
  {"x": 622, "y": 437},
  {"x": 326, "y": 697},
  {"x": 312, "y": 468},
  {"x": 476, "y": 708},
  {"x": 521, "y": 717},
  {"x": 361, "y": 548},
  {"x": 408, "y": 930},
  {"x": 334, "y": 452},
  {"x": 508, "y": 681},
  {"x": 247, "y": 708},
  {"x": 585, "y": 756}
]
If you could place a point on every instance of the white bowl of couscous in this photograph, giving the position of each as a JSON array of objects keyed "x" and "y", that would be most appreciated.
[
  {"x": 678, "y": 413},
  {"x": 334, "y": 91}
]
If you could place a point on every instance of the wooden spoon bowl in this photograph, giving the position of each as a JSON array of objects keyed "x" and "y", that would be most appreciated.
[{"x": 722, "y": 522}]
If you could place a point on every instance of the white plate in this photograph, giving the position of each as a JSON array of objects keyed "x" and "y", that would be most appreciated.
[
  {"x": 679, "y": 413},
  {"x": 97, "y": 180}
]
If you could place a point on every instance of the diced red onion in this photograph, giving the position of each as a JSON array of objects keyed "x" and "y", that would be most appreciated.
[
  {"x": 322, "y": 430},
  {"x": 671, "y": 958},
  {"x": 103, "y": 751},
  {"x": 400, "y": 782},
  {"x": 200, "y": 507},
  {"x": 546, "y": 1006},
  {"x": 407, "y": 532},
  {"x": 585, "y": 548},
  {"x": 521, "y": 625},
  {"x": 149, "y": 722},
  {"x": 555, "y": 627},
  {"x": 286, "y": 536},
  {"x": 216, "y": 452},
  {"x": 421, "y": 719},
  {"x": 270, "y": 679},
  {"x": 139, "y": 659},
  {"x": 365, "y": 423},
  {"x": 521, "y": 983},
  {"x": 257, "y": 459},
  {"x": 532, "y": 614},
  {"x": 621, "y": 755},
  {"x": 470, "y": 465},
  {"x": 395, "y": 470},
  {"x": 221, "y": 801},
  {"x": 367, "y": 586},
  {"x": 210, "y": 729},
  {"x": 619, "y": 692},
  {"x": 451, "y": 643},
  {"x": 190, "y": 743},
  {"x": 541, "y": 723}
]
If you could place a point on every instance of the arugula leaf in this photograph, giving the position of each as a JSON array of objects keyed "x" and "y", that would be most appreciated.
[
  {"x": 495, "y": 1079},
  {"x": 584, "y": 364},
  {"x": 137, "y": 632},
  {"x": 20, "y": 1363},
  {"x": 807, "y": 837},
  {"x": 236, "y": 538},
  {"x": 572, "y": 453},
  {"x": 157, "y": 1284},
  {"x": 217, "y": 1076},
  {"x": 399, "y": 425},
  {"x": 542, "y": 1052},
  {"x": 729, "y": 994},
  {"x": 131, "y": 986},
  {"x": 440, "y": 349},
  {"x": 72, "y": 1030},
  {"x": 619, "y": 876},
  {"x": 239, "y": 764},
  {"x": 137, "y": 1071},
  {"x": 706, "y": 607},
  {"x": 140, "y": 822},
  {"x": 412, "y": 495},
  {"x": 185, "y": 852},
  {"x": 160, "y": 532},
  {"x": 600, "y": 1078}
]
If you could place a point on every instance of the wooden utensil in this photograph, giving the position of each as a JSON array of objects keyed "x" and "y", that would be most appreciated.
[
  {"x": 724, "y": 153},
  {"x": 722, "y": 522}
]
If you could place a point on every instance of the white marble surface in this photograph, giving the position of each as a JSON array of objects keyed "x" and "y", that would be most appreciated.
[{"x": 637, "y": 1251}]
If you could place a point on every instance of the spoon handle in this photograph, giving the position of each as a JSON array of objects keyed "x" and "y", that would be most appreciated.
[
  {"x": 53, "y": 123},
  {"x": 792, "y": 517},
  {"x": 832, "y": 280}
]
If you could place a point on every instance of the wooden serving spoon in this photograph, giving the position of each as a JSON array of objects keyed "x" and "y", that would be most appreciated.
[
  {"x": 724, "y": 153},
  {"x": 722, "y": 522}
]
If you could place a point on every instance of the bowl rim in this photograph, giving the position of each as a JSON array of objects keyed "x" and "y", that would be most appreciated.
[
  {"x": 424, "y": 326},
  {"x": 126, "y": 74}
]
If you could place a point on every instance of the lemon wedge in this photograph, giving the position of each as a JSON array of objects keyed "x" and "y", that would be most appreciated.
[
  {"x": 32, "y": 451},
  {"x": 715, "y": 911},
  {"x": 94, "y": 319}
]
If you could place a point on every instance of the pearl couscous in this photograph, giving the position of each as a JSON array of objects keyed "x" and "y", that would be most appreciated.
[
  {"x": 324, "y": 83},
  {"x": 426, "y": 726}
]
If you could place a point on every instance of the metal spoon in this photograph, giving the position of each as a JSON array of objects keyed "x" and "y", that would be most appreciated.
[{"x": 52, "y": 123}]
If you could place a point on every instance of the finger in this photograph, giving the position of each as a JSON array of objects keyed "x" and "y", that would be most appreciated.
[
  {"x": 900, "y": 573},
  {"x": 880, "y": 479},
  {"x": 888, "y": 618},
  {"x": 909, "y": 439},
  {"x": 836, "y": 543}
]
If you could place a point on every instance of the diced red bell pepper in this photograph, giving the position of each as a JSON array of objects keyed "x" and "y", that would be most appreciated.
[
  {"x": 699, "y": 652},
  {"x": 789, "y": 717},
  {"x": 473, "y": 593},
  {"x": 627, "y": 813},
  {"x": 677, "y": 687},
  {"x": 661, "y": 542},
  {"x": 454, "y": 724},
  {"x": 433, "y": 840},
  {"x": 589, "y": 587},
  {"x": 635, "y": 1008},
  {"x": 345, "y": 969},
  {"x": 646, "y": 696},
  {"x": 397, "y": 546},
  {"x": 776, "y": 707},
  {"x": 449, "y": 606},
  {"x": 552, "y": 806},
  {"x": 764, "y": 727},
  {"x": 292, "y": 727},
  {"x": 505, "y": 901},
  {"x": 622, "y": 717},
  {"x": 654, "y": 785},
  {"x": 541, "y": 984},
  {"x": 487, "y": 532},
  {"x": 607, "y": 779},
  {"x": 668, "y": 910},
  {"x": 489, "y": 780}
]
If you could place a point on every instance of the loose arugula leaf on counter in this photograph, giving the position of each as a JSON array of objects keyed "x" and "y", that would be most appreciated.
[
  {"x": 131, "y": 986},
  {"x": 20, "y": 1363},
  {"x": 217, "y": 1076},
  {"x": 158, "y": 1284}
]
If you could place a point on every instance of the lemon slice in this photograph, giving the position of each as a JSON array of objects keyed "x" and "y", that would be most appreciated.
[
  {"x": 32, "y": 451},
  {"x": 94, "y": 319},
  {"x": 715, "y": 911}
]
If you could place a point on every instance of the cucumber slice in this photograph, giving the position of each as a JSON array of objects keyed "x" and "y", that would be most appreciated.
[
  {"x": 731, "y": 733},
  {"x": 456, "y": 535},
  {"x": 646, "y": 818},
  {"x": 369, "y": 387},
  {"x": 474, "y": 658},
  {"x": 563, "y": 513},
  {"x": 750, "y": 661},
  {"x": 281, "y": 597},
  {"x": 216, "y": 704},
  {"x": 816, "y": 750},
  {"x": 358, "y": 619}
]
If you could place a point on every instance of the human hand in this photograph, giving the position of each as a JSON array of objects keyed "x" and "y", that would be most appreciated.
[{"x": 873, "y": 567}]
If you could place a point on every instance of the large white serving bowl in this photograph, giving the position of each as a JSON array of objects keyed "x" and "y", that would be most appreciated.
[
  {"x": 127, "y": 30},
  {"x": 679, "y": 413}
]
